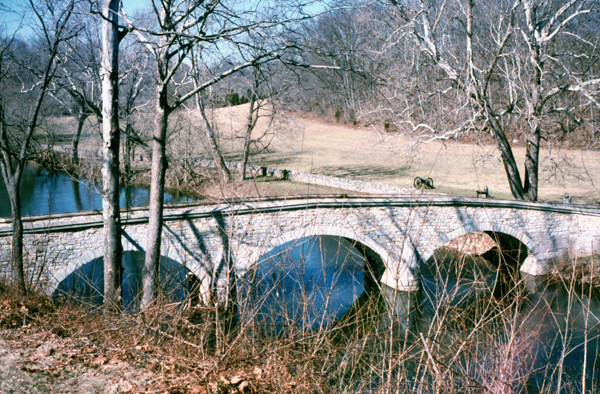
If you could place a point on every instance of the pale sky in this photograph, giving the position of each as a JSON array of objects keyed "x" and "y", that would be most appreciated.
[
  {"x": 130, "y": 6},
  {"x": 12, "y": 13}
]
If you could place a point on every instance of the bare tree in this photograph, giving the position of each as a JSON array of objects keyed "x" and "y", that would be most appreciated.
[
  {"x": 555, "y": 42},
  {"x": 262, "y": 104},
  {"x": 208, "y": 129},
  {"x": 217, "y": 31},
  {"x": 54, "y": 28},
  {"x": 497, "y": 67},
  {"x": 348, "y": 56},
  {"x": 525, "y": 70},
  {"x": 81, "y": 111},
  {"x": 135, "y": 82},
  {"x": 78, "y": 85}
]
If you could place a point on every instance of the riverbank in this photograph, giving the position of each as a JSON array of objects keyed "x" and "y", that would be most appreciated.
[
  {"x": 69, "y": 348},
  {"x": 46, "y": 348},
  {"x": 192, "y": 179},
  {"x": 461, "y": 341},
  {"x": 584, "y": 272}
]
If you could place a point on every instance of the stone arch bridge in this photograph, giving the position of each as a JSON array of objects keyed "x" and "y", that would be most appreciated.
[{"x": 399, "y": 232}]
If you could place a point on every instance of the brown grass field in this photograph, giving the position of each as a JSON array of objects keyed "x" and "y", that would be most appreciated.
[{"x": 305, "y": 143}]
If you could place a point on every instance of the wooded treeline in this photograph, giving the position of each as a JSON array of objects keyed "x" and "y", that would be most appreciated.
[
  {"x": 508, "y": 71},
  {"x": 519, "y": 71}
]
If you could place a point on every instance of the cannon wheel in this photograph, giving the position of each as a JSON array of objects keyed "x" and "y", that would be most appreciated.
[
  {"x": 429, "y": 183},
  {"x": 418, "y": 183}
]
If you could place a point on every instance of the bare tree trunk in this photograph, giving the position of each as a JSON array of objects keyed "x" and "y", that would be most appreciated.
[
  {"x": 81, "y": 118},
  {"x": 12, "y": 161},
  {"x": 110, "y": 157},
  {"x": 128, "y": 149},
  {"x": 150, "y": 273},
  {"x": 532, "y": 163},
  {"x": 532, "y": 154},
  {"x": 248, "y": 137},
  {"x": 151, "y": 270},
  {"x": 211, "y": 138},
  {"x": 12, "y": 180},
  {"x": 508, "y": 159},
  {"x": 17, "y": 241}
]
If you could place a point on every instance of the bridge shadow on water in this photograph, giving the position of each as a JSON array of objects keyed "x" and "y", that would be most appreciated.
[
  {"x": 476, "y": 315},
  {"x": 481, "y": 316},
  {"x": 308, "y": 283},
  {"x": 85, "y": 285},
  {"x": 333, "y": 283}
]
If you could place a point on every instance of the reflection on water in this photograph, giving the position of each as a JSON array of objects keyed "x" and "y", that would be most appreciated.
[
  {"x": 541, "y": 335},
  {"x": 44, "y": 192},
  {"x": 447, "y": 278},
  {"x": 556, "y": 326},
  {"x": 86, "y": 284},
  {"x": 309, "y": 283},
  {"x": 563, "y": 315}
]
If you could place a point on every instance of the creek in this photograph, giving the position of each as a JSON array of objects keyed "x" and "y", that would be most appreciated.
[
  {"x": 548, "y": 328},
  {"x": 44, "y": 192},
  {"x": 551, "y": 326}
]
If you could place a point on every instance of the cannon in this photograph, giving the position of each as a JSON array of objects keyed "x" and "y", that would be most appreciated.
[{"x": 423, "y": 183}]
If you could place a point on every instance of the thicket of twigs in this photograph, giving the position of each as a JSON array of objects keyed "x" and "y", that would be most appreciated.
[{"x": 468, "y": 343}]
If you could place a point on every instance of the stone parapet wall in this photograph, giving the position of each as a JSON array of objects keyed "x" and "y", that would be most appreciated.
[{"x": 320, "y": 180}]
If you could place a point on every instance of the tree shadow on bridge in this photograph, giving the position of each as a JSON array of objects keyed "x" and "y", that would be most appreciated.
[{"x": 221, "y": 275}]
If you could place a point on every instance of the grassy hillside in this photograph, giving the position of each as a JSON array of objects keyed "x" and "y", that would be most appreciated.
[{"x": 309, "y": 144}]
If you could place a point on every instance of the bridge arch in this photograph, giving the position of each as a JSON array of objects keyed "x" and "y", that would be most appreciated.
[
  {"x": 369, "y": 257},
  {"x": 129, "y": 244},
  {"x": 398, "y": 267},
  {"x": 331, "y": 231},
  {"x": 374, "y": 253},
  {"x": 74, "y": 265},
  {"x": 511, "y": 253},
  {"x": 488, "y": 228}
]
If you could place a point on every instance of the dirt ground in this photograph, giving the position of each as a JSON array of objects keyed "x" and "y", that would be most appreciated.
[
  {"x": 48, "y": 349},
  {"x": 51, "y": 348},
  {"x": 33, "y": 360}
]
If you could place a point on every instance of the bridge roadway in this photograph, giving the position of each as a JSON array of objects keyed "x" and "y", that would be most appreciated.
[{"x": 395, "y": 233}]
